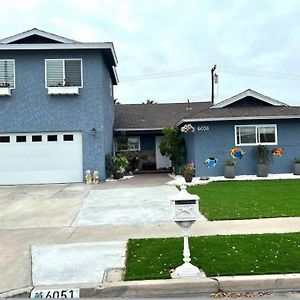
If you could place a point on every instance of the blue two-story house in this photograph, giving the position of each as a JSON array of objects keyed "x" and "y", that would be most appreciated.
[{"x": 56, "y": 107}]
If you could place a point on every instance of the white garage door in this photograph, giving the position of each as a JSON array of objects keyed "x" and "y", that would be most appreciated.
[{"x": 48, "y": 157}]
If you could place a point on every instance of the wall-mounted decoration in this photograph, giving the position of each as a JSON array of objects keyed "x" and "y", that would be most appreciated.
[
  {"x": 210, "y": 162},
  {"x": 237, "y": 153},
  {"x": 187, "y": 128},
  {"x": 277, "y": 151}
]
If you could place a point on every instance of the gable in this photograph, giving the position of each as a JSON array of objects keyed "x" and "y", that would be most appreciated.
[
  {"x": 35, "y": 39},
  {"x": 249, "y": 101},
  {"x": 248, "y": 98}
]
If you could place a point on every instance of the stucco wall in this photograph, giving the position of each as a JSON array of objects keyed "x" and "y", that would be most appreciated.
[
  {"x": 219, "y": 140},
  {"x": 30, "y": 109}
]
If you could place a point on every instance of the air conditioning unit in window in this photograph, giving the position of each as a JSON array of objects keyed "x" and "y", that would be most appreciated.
[
  {"x": 63, "y": 90},
  {"x": 5, "y": 89}
]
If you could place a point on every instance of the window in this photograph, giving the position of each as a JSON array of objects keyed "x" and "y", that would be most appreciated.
[
  {"x": 7, "y": 73},
  {"x": 68, "y": 137},
  {"x": 4, "y": 139},
  {"x": 21, "y": 139},
  {"x": 256, "y": 134},
  {"x": 52, "y": 138},
  {"x": 128, "y": 143},
  {"x": 63, "y": 72},
  {"x": 36, "y": 138}
]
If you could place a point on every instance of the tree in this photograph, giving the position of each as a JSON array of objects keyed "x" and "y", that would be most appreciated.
[
  {"x": 172, "y": 145},
  {"x": 150, "y": 102}
]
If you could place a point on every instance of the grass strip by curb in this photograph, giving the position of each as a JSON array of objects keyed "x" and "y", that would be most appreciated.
[
  {"x": 236, "y": 200},
  {"x": 216, "y": 255}
]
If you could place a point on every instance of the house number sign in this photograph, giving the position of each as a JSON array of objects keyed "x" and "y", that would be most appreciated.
[{"x": 203, "y": 128}]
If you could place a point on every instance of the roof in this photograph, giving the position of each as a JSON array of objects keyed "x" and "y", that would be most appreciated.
[
  {"x": 249, "y": 93},
  {"x": 154, "y": 116},
  {"x": 35, "y": 31},
  {"x": 56, "y": 42},
  {"x": 245, "y": 113}
]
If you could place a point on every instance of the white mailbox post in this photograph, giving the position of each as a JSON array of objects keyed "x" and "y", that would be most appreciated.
[{"x": 185, "y": 213}]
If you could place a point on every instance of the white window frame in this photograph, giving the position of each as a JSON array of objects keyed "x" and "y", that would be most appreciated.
[
  {"x": 256, "y": 134},
  {"x": 64, "y": 75},
  {"x": 129, "y": 150},
  {"x": 14, "y": 62}
]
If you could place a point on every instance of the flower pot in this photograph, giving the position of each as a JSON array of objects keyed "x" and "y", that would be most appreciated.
[
  {"x": 188, "y": 177},
  {"x": 229, "y": 172},
  {"x": 118, "y": 175},
  {"x": 262, "y": 170},
  {"x": 296, "y": 169}
]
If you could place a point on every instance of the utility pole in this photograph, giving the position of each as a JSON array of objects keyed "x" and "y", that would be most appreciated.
[{"x": 213, "y": 84}]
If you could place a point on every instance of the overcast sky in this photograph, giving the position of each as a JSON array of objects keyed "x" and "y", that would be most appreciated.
[{"x": 166, "y": 48}]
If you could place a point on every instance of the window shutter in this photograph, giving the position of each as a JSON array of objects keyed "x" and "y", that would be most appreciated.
[
  {"x": 55, "y": 72},
  {"x": 73, "y": 72},
  {"x": 7, "y": 72}
]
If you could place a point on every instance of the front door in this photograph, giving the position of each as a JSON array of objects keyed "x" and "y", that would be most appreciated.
[{"x": 162, "y": 162}]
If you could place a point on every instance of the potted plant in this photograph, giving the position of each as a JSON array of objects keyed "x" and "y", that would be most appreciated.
[
  {"x": 297, "y": 165},
  {"x": 188, "y": 171},
  {"x": 263, "y": 158},
  {"x": 120, "y": 163},
  {"x": 229, "y": 171}
]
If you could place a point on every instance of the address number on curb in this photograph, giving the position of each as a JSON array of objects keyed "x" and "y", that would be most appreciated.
[{"x": 59, "y": 293}]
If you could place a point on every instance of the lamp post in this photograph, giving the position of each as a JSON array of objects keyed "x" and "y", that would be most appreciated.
[{"x": 185, "y": 213}]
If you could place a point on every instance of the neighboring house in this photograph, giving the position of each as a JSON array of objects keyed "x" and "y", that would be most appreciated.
[
  {"x": 138, "y": 130},
  {"x": 243, "y": 121},
  {"x": 56, "y": 107}
]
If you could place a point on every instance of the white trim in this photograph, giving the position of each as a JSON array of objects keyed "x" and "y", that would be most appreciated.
[
  {"x": 238, "y": 119},
  {"x": 257, "y": 126},
  {"x": 246, "y": 93},
  {"x": 14, "y": 63},
  {"x": 63, "y": 90},
  {"x": 129, "y": 150},
  {"x": 137, "y": 129},
  {"x": 39, "y": 32},
  {"x": 64, "y": 59}
]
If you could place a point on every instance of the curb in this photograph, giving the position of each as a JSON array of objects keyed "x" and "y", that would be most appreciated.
[{"x": 170, "y": 287}]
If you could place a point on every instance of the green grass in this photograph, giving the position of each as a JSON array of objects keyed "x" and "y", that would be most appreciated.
[
  {"x": 216, "y": 255},
  {"x": 226, "y": 200}
]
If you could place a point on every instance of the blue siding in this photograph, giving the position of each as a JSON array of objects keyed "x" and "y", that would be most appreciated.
[
  {"x": 220, "y": 139},
  {"x": 30, "y": 109}
]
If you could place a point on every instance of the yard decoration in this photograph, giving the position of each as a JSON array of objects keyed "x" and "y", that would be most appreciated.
[
  {"x": 237, "y": 153},
  {"x": 210, "y": 162},
  {"x": 188, "y": 172},
  {"x": 88, "y": 177},
  {"x": 187, "y": 128},
  {"x": 277, "y": 152}
]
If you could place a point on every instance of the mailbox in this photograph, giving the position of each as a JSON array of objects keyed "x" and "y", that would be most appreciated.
[{"x": 185, "y": 206}]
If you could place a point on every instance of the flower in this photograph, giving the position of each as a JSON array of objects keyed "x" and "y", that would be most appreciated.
[
  {"x": 188, "y": 169},
  {"x": 187, "y": 128}
]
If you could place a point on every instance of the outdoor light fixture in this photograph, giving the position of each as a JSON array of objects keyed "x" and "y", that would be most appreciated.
[
  {"x": 185, "y": 213},
  {"x": 93, "y": 131}
]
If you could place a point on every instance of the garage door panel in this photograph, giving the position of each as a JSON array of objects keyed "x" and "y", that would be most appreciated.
[{"x": 41, "y": 162}]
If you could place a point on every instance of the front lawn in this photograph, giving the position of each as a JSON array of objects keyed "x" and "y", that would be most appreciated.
[
  {"x": 216, "y": 255},
  {"x": 225, "y": 200}
]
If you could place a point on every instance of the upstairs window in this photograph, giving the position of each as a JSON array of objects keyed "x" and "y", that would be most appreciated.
[
  {"x": 7, "y": 73},
  {"x": 255, "y": 135},
  {"x": 63, "y": 73}
]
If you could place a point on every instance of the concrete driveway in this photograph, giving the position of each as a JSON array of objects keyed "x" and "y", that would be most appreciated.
[{"x": 61, "y": 214}]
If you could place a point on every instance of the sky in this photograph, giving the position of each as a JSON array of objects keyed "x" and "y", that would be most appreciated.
[{"x": 166, "y": 48}]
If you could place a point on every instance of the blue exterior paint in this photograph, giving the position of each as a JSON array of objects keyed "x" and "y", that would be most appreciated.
[
  {"x": 31, "y": 109},
  {"x": 220, "y": 139},
  {"x": 147, "y": 141}
]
